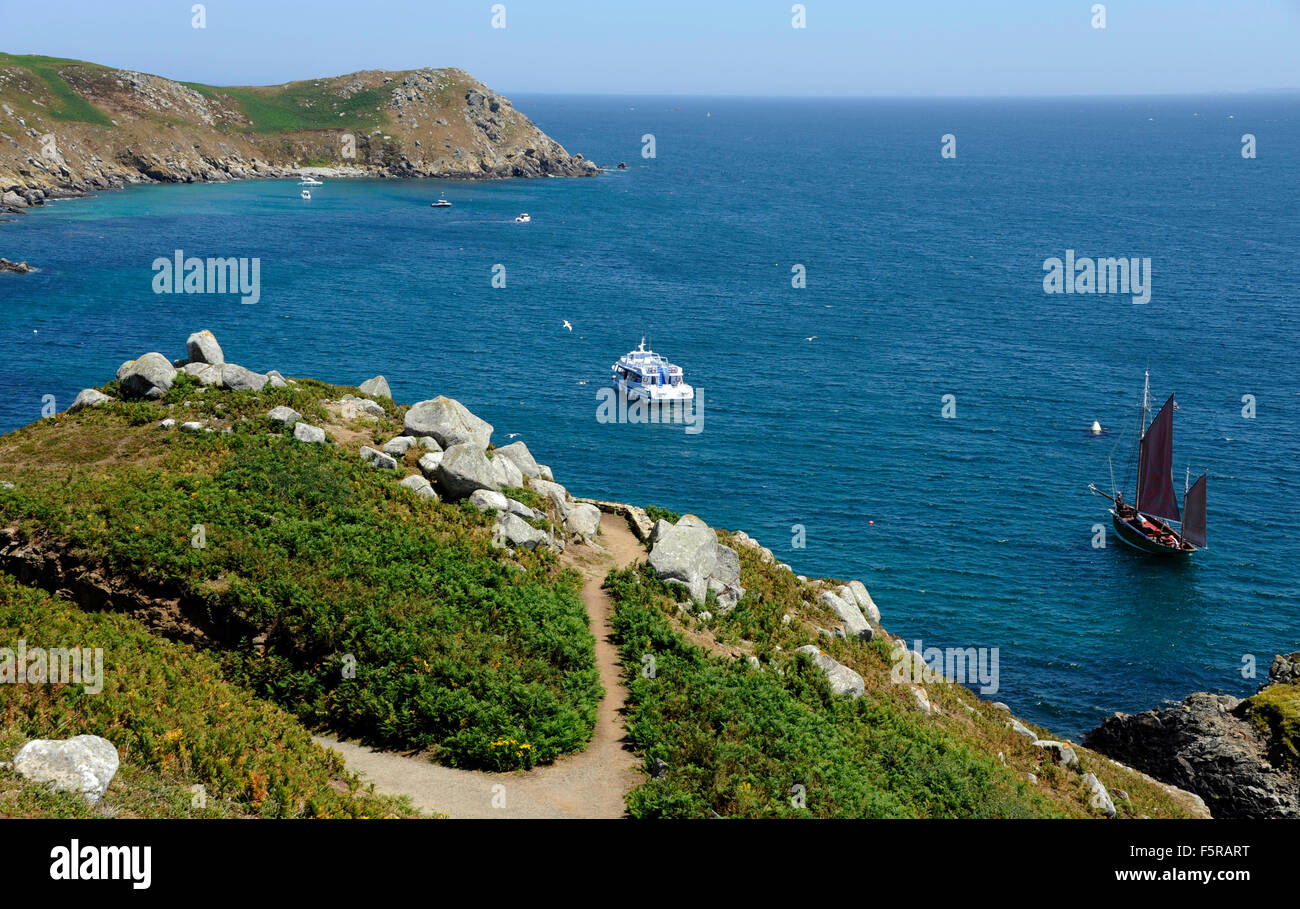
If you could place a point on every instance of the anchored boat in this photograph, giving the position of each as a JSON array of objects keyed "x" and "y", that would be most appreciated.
[
  {"x": 1147, "y": 524},
  {"x": 647, "y": 375}
]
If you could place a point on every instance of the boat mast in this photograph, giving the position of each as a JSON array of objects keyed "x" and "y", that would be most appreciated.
[{"x": 1142, "y": 434}]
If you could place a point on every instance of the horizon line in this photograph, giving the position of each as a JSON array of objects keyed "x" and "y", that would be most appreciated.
[{"x": 918, "y": 97}]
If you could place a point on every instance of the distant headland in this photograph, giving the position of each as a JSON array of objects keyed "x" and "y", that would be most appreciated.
[{"x": 68, "y": 127}]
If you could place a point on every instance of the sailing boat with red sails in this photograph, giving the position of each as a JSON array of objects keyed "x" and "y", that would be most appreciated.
[{"x": 1147, "y": 524}]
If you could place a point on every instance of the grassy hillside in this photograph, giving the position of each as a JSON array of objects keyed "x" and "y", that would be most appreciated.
[
  {"x": 60, "y": 101},
  {"x": 300, "y": 106},
  {"x": 315, "y": 563},
  {"x": 736, "y": 739},
  {"x": 307, "y": 105},
  {"x": 177, "y": 723}
]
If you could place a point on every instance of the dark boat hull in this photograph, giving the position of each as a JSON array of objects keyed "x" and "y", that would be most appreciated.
[{"x": 1132, "y": 535}]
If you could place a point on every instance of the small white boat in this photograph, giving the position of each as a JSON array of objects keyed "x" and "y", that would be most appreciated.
[
  {"x": 523, "y": 218},
  {"x": 308, "y": 181},
  {"x": 306, "y": 194},
  {"x": 645, "y": 374},
  {"x": 442, "y": 202}
]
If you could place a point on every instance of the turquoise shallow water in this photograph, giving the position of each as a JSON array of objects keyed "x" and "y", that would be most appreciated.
[{"x": 924, "y": 279}]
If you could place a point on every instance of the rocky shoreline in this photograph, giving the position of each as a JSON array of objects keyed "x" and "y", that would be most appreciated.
[
  {"x": 138, "y": 129},
  {"x": 1227, "y": 750}
]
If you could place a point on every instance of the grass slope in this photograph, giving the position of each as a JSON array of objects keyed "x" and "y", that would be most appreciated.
[
  {"x": 315, "y": 104},
  {"x": 62, "y": 101},
  {"x": 177, "y": 723},
  {"x": 301, "y": 106},
  {"x": 738, "y": 740}
]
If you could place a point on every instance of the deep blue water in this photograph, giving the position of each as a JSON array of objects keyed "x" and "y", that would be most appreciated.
[{"x": 924, "y": 279}]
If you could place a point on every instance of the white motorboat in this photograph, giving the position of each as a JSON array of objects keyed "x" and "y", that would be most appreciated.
[
  {"x": 645, "y": 374},
  {"x": 524, "y": 218},
  {"x": 306, "y": 193},
  {"x": 442, "y": 202}
]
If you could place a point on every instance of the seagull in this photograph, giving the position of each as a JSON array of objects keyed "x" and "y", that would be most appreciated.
[
  {"x": 567, "y": 325},
  {"x": 813, "y": 338},
  {"x": 512, "y": 435}
]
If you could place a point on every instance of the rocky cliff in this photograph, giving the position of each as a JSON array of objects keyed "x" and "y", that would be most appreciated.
[
  {"x": 1240, "y": 756},
  {"x": 68, "y": 126}
]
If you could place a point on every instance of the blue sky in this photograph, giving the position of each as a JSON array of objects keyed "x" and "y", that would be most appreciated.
[{"x": 709, "y": 47}]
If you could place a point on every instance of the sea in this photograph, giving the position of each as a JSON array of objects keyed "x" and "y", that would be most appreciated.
[{"x": 856, "y": 290}]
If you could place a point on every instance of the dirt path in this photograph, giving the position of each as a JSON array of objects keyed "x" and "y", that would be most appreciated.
[{"x": 590, "y": 784}]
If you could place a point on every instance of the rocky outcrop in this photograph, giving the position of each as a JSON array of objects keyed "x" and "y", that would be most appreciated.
[
  {"x": 399, "y": 446},
  {"x": 688, "y": 553},
  {"x": 449, "y": 422},
  {"x": 89, "y": 397},
  {"x": 202, "y": 347},
  {"x": 206, "y": 373},
  {"x": 521, "y": 457},
  {"x": 842, "y": 679},
  {"x": 83, "y": 764},
  {"x": 18, "y": 268},
  {"x": 377, "y": 459},
  {"x": 376, "y": 388},
  {"x": 464, "y": 469},
  {"x": 286, "y": 415},
  {"x": 1207, "y": 745},
  {"x": 513, "y": 531},
  {"x": 312, "y": 435},
  {"x": 845, "y": 605},
  {"x": 352, "y": 408},
  {"x": 1284, "y": 671},
  {"x": 150, "y": 376},
  {"x": 420, "y": 486},
  {"x": 239, "y": 378},
  {"x": 583, "y": 520}
]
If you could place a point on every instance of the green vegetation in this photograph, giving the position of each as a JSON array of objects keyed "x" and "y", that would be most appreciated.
[
  {"x": 176, "y": 721},
  {"x": 656, "y": 513},
  {"x": 323, "y": 585},
  {"x": 530, "y": 497},
  {"x": 301, "y": 106},
  {"x": 69, "y": 105},
  {"x": 1275, "y": 711},
  {"x": 738, "y": 740},
  {"x": 307, "y": 105}
]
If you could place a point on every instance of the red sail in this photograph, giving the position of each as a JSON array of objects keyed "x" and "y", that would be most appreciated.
[
  {"x": 1155, "y": 492},
  {"x": 1194, "y": 505}
]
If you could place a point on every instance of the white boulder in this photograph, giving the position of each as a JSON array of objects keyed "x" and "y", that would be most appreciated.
[
  {"x": 89, "y": 397},
  {"x": 83, "y": 764},
  {"x": 202, "y": 347}
]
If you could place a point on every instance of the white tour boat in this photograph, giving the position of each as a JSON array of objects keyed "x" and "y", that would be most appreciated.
[
  {"x": 308, "y": 181},
  {"x": 442, "y": 202},
  {"x": 647, "y": 375}
]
